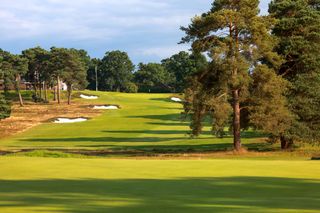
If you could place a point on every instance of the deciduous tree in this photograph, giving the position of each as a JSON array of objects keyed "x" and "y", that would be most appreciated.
[
  {"x": 153, "y": 77},
  {"x": 181, "y": 66},
  {"x": 116, "y": 71}
]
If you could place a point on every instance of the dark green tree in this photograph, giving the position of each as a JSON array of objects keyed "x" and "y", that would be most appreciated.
[
  {"x": 154, "y": 78},
  {"x": 69, "y": 66},
  {"x": 115, "y": 72},
  {"x": 5, "y": 108},
  {"x": 7, "y": 72},
  {"x": 182, "y": 66},
  {"x": 243, "y": 64},
  {"x": 298, "y": 29},
  {"x": 38, "y": 71},
  {"x": 13, "y": 68}
]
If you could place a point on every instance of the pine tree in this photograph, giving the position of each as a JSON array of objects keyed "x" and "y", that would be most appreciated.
[
  {"x": 69, "y": 66},
  {"x": 5, "y": 108},
  {"x": 243, "y": 64},
  {"x": 38, "y": 73},
  {"x": 13, "y": 68},
  {"x": 298, "y": 30}
]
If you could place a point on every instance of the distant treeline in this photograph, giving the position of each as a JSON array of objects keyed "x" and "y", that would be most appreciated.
[
  {"x": 116, "y": 72},
  {"x": 44, "y": 71}
]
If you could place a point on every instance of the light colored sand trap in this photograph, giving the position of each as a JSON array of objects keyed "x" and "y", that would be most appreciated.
[
  {"x": 176, "y": 99},
  {"x": 69, "y": 120},
  {"x": 88, "y": 97},
  {"x": 106, "y": 107}
]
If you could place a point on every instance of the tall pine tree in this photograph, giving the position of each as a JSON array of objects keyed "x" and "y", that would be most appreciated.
[
  {"x": 298, "y": 30},
  {"x": 242, "y": 69}
]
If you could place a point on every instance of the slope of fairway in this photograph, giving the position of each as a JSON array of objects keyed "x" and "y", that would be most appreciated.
[
  {"x": 145, "y": 121},
  {"x": 98, "y": 185}
]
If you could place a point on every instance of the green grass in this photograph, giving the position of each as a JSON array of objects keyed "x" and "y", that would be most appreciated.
[
  {"x": 100, "y": 185},
  {"x": 55, "y": 181},
  {"x": 148, "y": 122}
]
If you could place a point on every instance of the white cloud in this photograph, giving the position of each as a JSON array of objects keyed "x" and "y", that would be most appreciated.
[
  {"x": 163, "y": 51},
  {"x": 145, "y": 28},
  {"x": 86, "y": 19}
]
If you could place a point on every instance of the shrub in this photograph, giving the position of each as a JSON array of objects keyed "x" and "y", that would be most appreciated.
[
  {"x": 131, "y": 88},
  {"x": 5, "y": 108}
]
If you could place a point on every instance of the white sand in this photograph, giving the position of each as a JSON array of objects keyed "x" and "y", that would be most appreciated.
[
  {"x": 88, "y": 97},
  {"x": 68, "y": 120},
  {"x": 176, "y": 99},
  {"x": 105, "y": 107}
]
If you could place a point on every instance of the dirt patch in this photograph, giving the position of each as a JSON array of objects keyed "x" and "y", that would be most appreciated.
[{"x": 24, "y": 118}]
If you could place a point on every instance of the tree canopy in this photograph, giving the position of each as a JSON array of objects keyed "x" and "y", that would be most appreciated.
[
  {"x": 238, "y": 41},
  {"x": 181, "y": 66},
  {"x": 115, "y": 71},
  {"x": 298, "y": 30},
  {"x": 70, "y": 65},
  {"x": 153, "y": 78}
]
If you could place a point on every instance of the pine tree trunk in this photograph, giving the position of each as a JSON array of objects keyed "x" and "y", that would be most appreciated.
[
  {"x": 236, "y": 121},
  {"x": 40, "y": 90},
  {"x": 45, "y": 91},
  {"x": 69, "y": 94},
  {"x": 18, "y": 90},
  {"x": 35, "y": 90},
  {"x": 58, "y": 89},
  {"x": 54, "y": 93},
  {"x": 286, "y": 143},
  {"x": 20, "y": 98}
]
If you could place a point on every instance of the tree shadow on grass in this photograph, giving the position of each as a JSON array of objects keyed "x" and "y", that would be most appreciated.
[
  {"x": 168, "y": 100},
  {"x": 164, "y": 149},
  {"x": 162, "y": 117},
  {"x": 103, "y": 139},
  {"x": 181, "y": 123},
  {"x": 226, "y": 195},
  {"x": 155, "y": 132}
]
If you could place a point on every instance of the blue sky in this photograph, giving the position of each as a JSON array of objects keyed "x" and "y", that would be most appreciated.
[{"x": 147, "y": 29}]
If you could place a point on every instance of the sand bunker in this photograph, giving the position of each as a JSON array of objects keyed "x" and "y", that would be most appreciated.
[
  {"x": 69, "y": 120},
  {"x": 106, "y": 107},
  {"x": 176, "y": 99},
  {"x": 92, "y": 97}
]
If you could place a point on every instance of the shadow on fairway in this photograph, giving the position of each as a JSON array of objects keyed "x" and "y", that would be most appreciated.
[
  {"x": 246, "y": 135},
  {"x": 105, "y": 139},
  {"x": 155, "y": 132},
  {"x": 153, "y": 149},
  {"x": 169, "y": 124},
  {"x": 166, "y": 117},
  {"x": 227, "y": 194},
  {"x": 163, "y": 100}
]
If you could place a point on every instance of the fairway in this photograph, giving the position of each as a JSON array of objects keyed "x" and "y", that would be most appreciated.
[
  {"x": 98, "y": 185},
  {"x": 147, "y": 122}
]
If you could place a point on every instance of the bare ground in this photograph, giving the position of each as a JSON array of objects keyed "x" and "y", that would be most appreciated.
[{"x": 24, "y": 118}]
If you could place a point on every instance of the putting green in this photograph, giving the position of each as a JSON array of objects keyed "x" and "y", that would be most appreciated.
[
  {"x": 145, "y": 122},
  {"x": 100, "y": 185}
]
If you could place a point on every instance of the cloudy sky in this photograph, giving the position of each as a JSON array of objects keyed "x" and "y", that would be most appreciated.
[{"x": 147, "y": 29}]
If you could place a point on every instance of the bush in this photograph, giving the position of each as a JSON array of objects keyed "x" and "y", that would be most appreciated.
[
  {"x": 131, "y": 88},
  {"x": 5, "y": 108}
]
